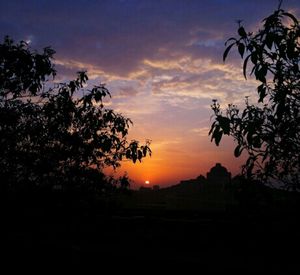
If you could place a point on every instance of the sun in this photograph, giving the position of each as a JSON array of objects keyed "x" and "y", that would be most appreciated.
[{"x": 147, "y": 182}]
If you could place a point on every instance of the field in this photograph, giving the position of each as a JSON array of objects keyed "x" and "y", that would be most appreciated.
[{"x": 127, "y": 238}]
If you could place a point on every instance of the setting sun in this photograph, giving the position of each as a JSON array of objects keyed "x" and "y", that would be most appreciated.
[{"x": 147, "y": 182}]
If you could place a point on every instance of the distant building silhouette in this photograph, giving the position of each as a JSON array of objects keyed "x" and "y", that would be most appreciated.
[
  {"x": 193, "y": 183},
  {"x": 200, "y": 193},
  {"x": 219, "y": 175}
]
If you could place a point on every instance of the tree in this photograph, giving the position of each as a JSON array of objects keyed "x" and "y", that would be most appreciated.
[
  {"x": 268, "y": 131},
  {"x": 56, "y": 133}
]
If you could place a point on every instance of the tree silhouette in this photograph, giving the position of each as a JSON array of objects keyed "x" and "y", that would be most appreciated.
[
  {"x": 55, "y": 133},
  {"x": 268, "y": 131}
]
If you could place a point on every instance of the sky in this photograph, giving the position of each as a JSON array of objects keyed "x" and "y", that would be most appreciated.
[{"x": 161, "y": 61}]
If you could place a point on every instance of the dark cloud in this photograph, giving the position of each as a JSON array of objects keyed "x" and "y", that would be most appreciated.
[
  {"x": 118, "y": 35},
  {"x": 127, "y": 91}
]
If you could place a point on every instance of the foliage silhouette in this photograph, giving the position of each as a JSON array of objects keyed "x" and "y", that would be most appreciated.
[
  {"x": 268, "y": 131},
  {"x": 56, "y": 133}
]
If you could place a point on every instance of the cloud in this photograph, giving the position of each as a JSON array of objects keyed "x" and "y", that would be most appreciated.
[
  {"x": 203, "y": 132},
  {"x": 160, "y": 59},
  {"x": 118, "y": 36}
]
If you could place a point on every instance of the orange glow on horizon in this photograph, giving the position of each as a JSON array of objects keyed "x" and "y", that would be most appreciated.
[{"x": 166, "y": 167}]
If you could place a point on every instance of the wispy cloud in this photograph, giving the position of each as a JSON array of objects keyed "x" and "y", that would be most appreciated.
[{"x": 203, "y": 132}]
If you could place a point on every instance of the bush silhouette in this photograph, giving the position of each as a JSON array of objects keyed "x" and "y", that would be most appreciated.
[
  {"x": 268, "y": 131},
  {"x": 56, "y": 134}
]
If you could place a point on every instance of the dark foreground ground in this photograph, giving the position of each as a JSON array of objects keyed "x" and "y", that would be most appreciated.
[{"x": 152, "y": 239}]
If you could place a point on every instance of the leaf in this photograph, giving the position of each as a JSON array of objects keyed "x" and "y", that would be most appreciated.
[
  {"x": 140, "y": 155},
  {"x": 254, "y": 58},
  {"x": 269, "y": 40},
  {"x": 242, "y": 32},
  {"x": 217, "y": 135},
  {"x": 212, "y": 128},
  {"x": 241, "y": 49},
  {"x": 261, "y": 89},
  {"x": 227, "y": 51},
  {"x": 245, "y": 66},
  {"x": 237, "y": 151},
  {"x": 144, "y": 149},
  {"x": 261, "y": 73},
  {"x": 224, "y": 124}
]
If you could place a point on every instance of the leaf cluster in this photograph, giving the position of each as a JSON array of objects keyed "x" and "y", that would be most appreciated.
[
  {"x": 59, "y": 134},
  {"x": 268, "y": 131},
  {"x": 23, "y": 71}
]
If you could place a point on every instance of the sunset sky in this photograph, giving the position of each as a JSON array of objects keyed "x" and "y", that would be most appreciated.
[{"x": 161, "y": 61}]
